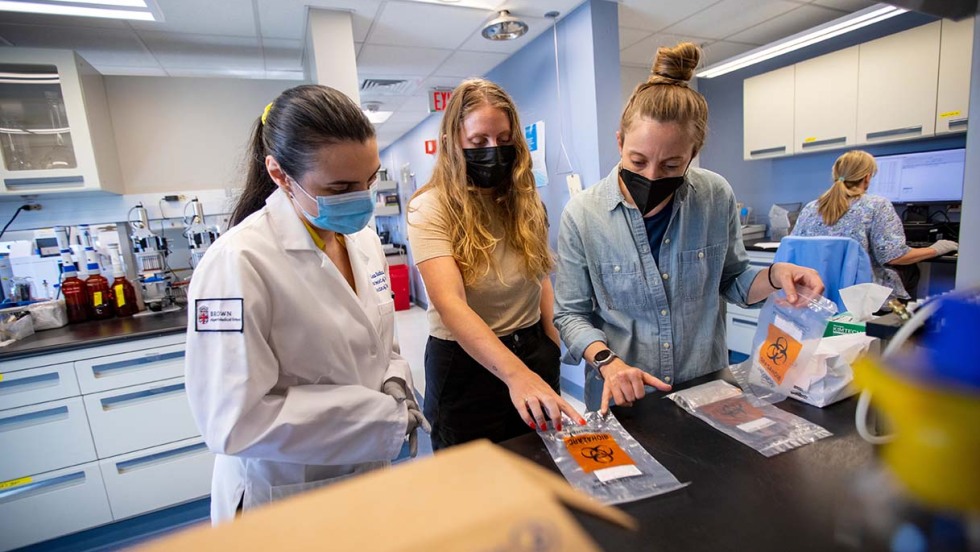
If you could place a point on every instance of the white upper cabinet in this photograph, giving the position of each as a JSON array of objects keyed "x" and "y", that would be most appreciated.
[
  {"x": 897, "y": 83},
  {"x": 826, "y": 101},
  {"x": 955, "y": 59},
  {"x": 768, "y": 112},
  {"x": 55, "y": 131}
]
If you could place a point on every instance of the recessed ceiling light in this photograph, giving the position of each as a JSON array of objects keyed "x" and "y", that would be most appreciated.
[
  {"x": 837, "y": 27},
  {"x": 110, "y": 9}
]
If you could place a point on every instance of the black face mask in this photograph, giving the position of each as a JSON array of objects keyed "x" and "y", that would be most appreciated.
[
  {"x": 647, "y": 193},
  {"x": 490, "y": 167}
]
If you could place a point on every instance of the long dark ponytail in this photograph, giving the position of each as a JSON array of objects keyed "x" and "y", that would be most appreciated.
[{"x": 300, "y": 121}]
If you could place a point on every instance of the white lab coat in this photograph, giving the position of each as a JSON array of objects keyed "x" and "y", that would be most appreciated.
[{"x": 293, "y": 400}]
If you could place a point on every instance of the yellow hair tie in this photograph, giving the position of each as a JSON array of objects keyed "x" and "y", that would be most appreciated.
[{"x": 265, "y": 112}]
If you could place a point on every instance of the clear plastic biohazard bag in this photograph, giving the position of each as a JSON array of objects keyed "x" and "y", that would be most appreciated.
[
  {"x": 605, "y": 461},
  {"x": 746, "y": 418},
  {"x": 787, "y": 336}
]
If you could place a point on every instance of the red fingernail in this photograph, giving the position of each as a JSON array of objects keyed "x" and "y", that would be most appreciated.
[
  {"x": 531, "y": 425},
  {"x": 557, "y": 427},
  {"x": 581, "y": 421},
  {"x": 544, "y": 427}
]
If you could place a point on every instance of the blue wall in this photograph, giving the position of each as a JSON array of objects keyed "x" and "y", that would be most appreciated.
[
  {"x": 588, "y": 46},
  {"x": 800, "y": 178}
]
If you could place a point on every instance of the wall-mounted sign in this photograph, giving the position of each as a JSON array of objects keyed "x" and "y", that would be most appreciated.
[
  {"x": 534, "y": 134},
  {"x": 438, "y": 98},
  {"x": 430, "y": 147}
]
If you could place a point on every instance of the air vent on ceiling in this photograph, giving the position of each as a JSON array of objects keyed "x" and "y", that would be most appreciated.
[{"x": 389, "y": 87}]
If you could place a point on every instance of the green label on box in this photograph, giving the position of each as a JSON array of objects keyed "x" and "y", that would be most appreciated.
[{"x": 843, "y": 324}]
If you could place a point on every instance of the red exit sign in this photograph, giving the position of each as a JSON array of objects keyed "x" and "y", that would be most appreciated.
[{"x": 439, "y": 98}]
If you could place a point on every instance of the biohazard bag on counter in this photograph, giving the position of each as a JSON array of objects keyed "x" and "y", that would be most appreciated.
[
  {"x": 785, "y": 340},
  {"x": 605, "y": 461},
  {"x": 746, "y": 418}
]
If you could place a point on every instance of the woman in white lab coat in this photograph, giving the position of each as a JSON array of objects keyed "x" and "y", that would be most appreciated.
[{"x": 293, "y": 373}]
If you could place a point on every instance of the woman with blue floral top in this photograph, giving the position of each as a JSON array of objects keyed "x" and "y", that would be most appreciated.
[{"x": 847, "y": 210}]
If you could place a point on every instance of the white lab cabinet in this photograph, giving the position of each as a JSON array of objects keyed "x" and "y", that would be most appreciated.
[
  {"x": 740, "y": 324},
  {"x": 955, "y": 60},
  {"x": 55, "y": 130},
  {"x": 897, "y": 85},
  {"x": 47, "y": 383},
  {"x": 51, "y": 505},
  {"x": 44, "y": 437},
  {"x": 826, "y": 101},
  {"x": 768, "y": 103},
  {"x": 158, "y": 477},
  {"x": 87, "y": 428},
  {"x": 131, "y": 418}
]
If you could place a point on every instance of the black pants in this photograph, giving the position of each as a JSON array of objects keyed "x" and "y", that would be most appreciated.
[{"x": 464, "y": 401}]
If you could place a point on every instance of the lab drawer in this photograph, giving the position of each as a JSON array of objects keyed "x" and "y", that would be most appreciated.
[
  {"x": 740, "y": 332},
  {"x": 44, "y": 437},
  {"x": 157, "y": 478},
  {"x": 37, "y": 385},
  {"x": 52, "y": 504},
  {"x": 139, "y": 417},
  {"x": 122, "y": 370}
]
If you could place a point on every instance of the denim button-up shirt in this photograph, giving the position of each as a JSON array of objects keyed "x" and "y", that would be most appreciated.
[{"x": 666, "y": 319}]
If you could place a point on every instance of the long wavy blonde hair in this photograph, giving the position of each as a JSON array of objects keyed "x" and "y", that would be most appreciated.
[
  {"x": 469, "y": 211},
  {"x": 849, "y": 173}
]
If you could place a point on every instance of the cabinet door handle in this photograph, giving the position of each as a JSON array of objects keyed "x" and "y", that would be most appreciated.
[
  {"x": 32, "y": 382},
  {"x": 33, "y": 418},
  {"x": 961, "y": 122},
  {"x": 106, "y": 369},
  {"x": 121, "y": 400},
  {"x": 26, "y": 184},
  {"x": 825, "y": 142},
  {"x": 746, "y": 322},
  {"x": 777, "y": 149},
  {"x": 165, "y": 456},
  {"x": 894, "y": 132},
  {"x": 23, "y": 491}
]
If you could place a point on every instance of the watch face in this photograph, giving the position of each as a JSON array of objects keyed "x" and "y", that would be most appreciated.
[{"x": 602, "y": 356}]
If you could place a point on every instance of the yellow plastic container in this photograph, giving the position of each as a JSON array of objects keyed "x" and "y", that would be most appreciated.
[{"x": 936, "y": 450}]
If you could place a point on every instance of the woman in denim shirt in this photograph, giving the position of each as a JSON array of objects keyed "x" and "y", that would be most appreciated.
[
  {"x": 847, "y": 210},
  {"x": 646, "y": 255}
]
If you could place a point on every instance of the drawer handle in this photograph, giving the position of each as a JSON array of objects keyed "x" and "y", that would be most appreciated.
[
  {"x": 34, "y": 418},
  {"x": 760, "y": 264},
  {"x": 37, "y": 487},
  {"x": 160, "y": 457},
  {"x": 23, "y": 384},
  {"x": 894, "y": 132},
  {"x": 827, "y": 142},
  {"x": 752, "y": 323},
  {"x": 121, "y": 400},
  {"x": 102, "y": 369},
  {"x": 958, "y": 122},
  {"x": 763, "y": 151}
]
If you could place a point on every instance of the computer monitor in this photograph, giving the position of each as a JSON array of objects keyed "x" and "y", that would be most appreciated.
[{"x": 928, "y": 177}]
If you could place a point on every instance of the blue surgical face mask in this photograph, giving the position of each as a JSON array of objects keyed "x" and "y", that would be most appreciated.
[{"x": 343, "y": 213}]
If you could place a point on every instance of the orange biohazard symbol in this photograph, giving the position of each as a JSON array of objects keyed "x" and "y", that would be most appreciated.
[
  {"x": 596, "y": 451},
  {"x": 778, "y": 353}
]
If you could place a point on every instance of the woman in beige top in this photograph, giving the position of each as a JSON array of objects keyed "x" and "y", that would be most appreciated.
[{"x": 478, "y": 235}]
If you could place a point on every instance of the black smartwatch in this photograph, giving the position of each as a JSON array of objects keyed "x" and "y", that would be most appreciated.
[{"x": 601, "y": 359}]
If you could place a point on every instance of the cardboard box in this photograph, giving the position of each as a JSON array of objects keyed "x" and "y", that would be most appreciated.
[
  {"x": 842, "y": 324},
  {"x": 472, "y": 497}
]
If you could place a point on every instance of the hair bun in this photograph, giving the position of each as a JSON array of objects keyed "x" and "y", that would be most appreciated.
[{"x": 675, "y": 65}]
